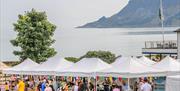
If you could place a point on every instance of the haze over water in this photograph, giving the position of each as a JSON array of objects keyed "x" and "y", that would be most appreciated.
[{"x": 121, "y": 41}]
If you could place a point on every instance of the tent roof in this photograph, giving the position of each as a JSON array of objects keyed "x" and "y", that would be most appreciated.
[
  {"x": 50, "y": 66},
  {"x": 178, "y": 60},
  {"x": 85, "y": 67},
  {"x": 146, "y": 61},
  {"x": 128, "y": 67},
  {"x": 54, "y": 64},
  {"x": 21, "y": 67},
  {"x": 168, "y": 64},
  {"x": 118, "y": 61},
  {"x": 175, "y": 77},
  {"x": 3, "y": 66}
]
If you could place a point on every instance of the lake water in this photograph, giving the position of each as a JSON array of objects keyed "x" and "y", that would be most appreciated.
[
  {"x": 122, "y": 41},
  {"x": 77, "y": 41}
]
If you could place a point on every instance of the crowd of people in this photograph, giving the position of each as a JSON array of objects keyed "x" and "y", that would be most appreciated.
[
  {"x": 143, "y": 84},
  {"x": 46, "y": 84},
  {"x": 83, "y": 84}
]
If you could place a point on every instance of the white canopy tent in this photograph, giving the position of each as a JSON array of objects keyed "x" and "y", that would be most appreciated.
[
  {"x": 87, "y": 67},
  {"x": 20, "y": 68},
  {"x": 3, "y": 66},
  {"x": 50, "y": 66},
  {"x": 145, "y": 61},
  {"x": 173, "y": 83},
  {"x": 129, "y": 68},
  {"x": 168, "y": 65},
  {"x": 178, "y": 60}
]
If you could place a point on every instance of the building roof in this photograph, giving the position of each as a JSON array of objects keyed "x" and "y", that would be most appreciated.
[{"x": 178, "y": 30}]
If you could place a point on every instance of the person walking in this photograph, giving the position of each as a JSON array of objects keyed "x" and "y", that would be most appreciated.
[
  {"x": 21, "y": 85},
  {"x": 6, "y": 86},
  {"x": 106, "y": 85},
  {"x": 48, "y": 88},
  {"x": 43, "y": 85},
  {"x": 75, "y": 87},
  {"x": 51, "y": 84},
  {"x": 140, "y": 83},
  {"x": 146, "y": 86},
  {"x": 115, "y": 88}
]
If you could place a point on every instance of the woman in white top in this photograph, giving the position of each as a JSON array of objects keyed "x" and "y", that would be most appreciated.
[
  {"x": 75, "y": 88},
  {"x": 146, "y": 86},
  {"x": 48, "y": 88}
]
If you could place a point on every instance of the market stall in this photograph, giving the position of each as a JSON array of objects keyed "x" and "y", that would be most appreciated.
[
  {"x": 21, "y": 68},
  {"x": 173, "y": 83}
]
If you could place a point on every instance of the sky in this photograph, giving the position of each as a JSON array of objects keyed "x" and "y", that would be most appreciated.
[
  {"x": 63, "y": 13},
  {"x": 66, "y": 13}
]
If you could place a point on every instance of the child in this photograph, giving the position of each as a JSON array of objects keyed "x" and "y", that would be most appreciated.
[{"x": 6, "y": 87}]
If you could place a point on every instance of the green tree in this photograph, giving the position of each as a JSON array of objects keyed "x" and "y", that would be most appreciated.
[
  {"x": 34, "y": 36},
  {"x": 72, "y": 59},
  {"x": 103, "y": 55}
]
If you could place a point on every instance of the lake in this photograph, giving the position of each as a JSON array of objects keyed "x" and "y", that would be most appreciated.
[{"x": 77, "y": 41}]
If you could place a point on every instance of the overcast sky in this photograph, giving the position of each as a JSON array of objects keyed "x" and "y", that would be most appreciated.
[{"x": 63, "y": 13}]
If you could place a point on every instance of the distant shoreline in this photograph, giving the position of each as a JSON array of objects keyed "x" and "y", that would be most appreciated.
[
  {"x": 125, "y": 27},
  {"x": 149, "y": 32}
]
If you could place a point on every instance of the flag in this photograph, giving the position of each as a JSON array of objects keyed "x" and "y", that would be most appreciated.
[
  {"x": 97, "y": 78},
  {"x": 110, "y": 79},
  {"x": 161, "y": 16},
  {"x": 113, "y": 78},
  {"x": 119, "y": 78},
  {"x": 102, "y": 78}
]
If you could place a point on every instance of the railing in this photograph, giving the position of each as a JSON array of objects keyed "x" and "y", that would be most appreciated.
[{"x": 171, "y": 44}]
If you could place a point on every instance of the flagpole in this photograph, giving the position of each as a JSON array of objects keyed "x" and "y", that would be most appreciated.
[{"x": 162, "y": 21}]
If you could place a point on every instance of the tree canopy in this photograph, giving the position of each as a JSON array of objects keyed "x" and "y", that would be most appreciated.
[
  {"x": 34, "y": 36},
  {"x": 103, "y": 55},
  {"x": 72, "y": 59}
]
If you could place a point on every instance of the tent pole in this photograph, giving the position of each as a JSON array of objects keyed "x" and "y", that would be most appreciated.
[
  {"x": 5, "y": 77},
  {"x": 95, "y": 83},
  {"x": 128, "y": 85},
  {"x": 55, "y": 82},
  {"x": 165, "y": 83}
]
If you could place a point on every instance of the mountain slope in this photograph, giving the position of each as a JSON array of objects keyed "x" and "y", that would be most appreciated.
[{"x": 141, "y": 13}]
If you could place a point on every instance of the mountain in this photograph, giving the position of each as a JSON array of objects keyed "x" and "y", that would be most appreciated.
[{"x": 141, "y": 13}]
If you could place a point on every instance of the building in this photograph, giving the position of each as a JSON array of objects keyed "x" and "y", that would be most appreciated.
[
  {"x": 163, "y": 48},
  {"x": 178, "y": 42},
  {"x": 154, "y": 48}
]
